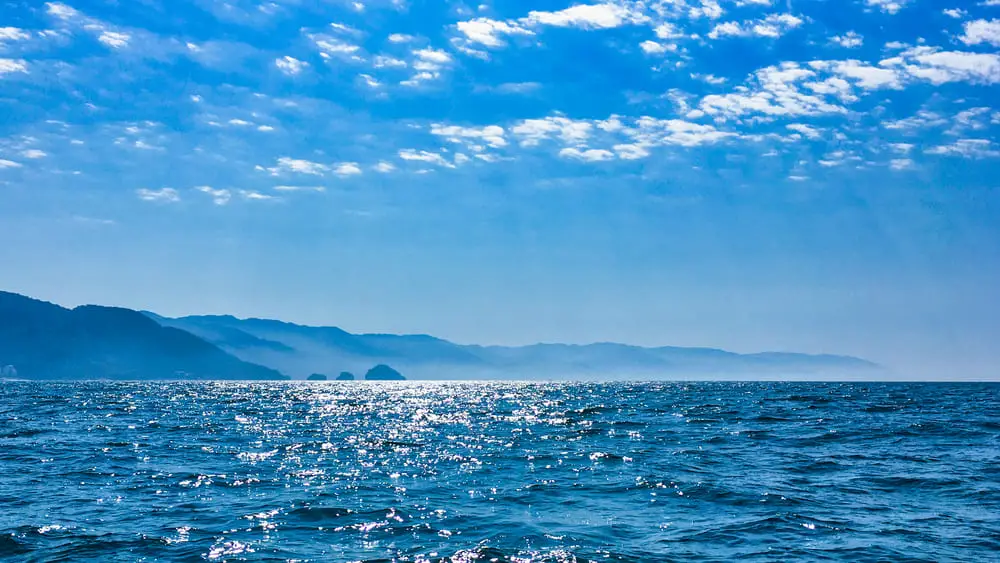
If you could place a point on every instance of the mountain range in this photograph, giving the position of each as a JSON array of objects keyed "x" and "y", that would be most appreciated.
[
  {"x": 45, "y": 341},
  {"x": 42, "y": 340}
]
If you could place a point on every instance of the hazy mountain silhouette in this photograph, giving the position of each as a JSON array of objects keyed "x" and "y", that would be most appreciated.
[
  {"x": 45, "y": 341},
  {"x": 309, "y": 349}
]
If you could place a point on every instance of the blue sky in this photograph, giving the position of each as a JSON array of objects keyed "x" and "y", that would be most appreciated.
[{"x": 750, "y": 174}]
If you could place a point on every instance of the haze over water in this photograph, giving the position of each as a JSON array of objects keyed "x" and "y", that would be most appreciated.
[{"x": 714, "y": 471}]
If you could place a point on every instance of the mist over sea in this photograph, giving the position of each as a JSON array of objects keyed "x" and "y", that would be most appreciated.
[{"x": 487, "y": 471}]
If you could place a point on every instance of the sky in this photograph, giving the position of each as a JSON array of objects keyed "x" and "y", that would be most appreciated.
[{"x": 811, "y": 176}]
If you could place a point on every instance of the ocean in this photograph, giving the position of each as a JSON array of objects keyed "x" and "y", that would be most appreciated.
[{"x": 499, "y": 472}]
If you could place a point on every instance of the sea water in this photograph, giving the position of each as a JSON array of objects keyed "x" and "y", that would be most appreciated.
[{"x": 519, "y": 472}]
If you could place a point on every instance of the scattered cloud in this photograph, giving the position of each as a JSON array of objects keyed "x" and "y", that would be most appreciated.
[
  {"x": 588, "y": 16},
  {"x": 252, "y": 195},
  {"x": 13, "y": 65},
  {"x": 114, "y": 39},
  {"x": 163, "y": 195},
  {"x": 774, "y": 25},
  {"x": 428, "y": 63},
  {"x": 4, "y": 163},
  {"x": 299, "y": 188},
  {"x": 347, "y": 169},
  {"x": 589, "y": 155},
  {"x": 492, "y": 135},
  {"x": 654, "y": 48},
  {"x": 33, "y": 153},
  {"x": 298, "y": 166},
  {"x": 290, "y": 66},
  {"x": 424, "y": 156},
  {"x": 939, "y": 67},
  {"x": 219, "y": 196},
  {"x": 968, "y": 148},
  {"x": 850, "y": 40},
  {"x": 805, "y": 130},
  {"x": 13, "y": 34},
  {"x": 956, "y": 13},
  {"x": 901, "y": 163},
  {"x": 384, "y": 167},
  {"x": 487, "y": 32},
  {"x": 887, "y": 6},
  {"x": 981, "y": 31}
]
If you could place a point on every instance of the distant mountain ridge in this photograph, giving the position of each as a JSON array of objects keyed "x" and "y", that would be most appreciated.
[
  {"x": 300, "y": 350},
  {"x": 45, "y": 341}
]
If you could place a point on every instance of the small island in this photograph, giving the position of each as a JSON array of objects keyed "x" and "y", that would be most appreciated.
[
  {"x": 316, "y": 377},
  {"x": 345, "y": 376},
  {"x": 383, "y": 372}
]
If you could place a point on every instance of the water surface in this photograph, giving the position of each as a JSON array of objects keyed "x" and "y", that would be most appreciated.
[{"x": 417, "y": 472}]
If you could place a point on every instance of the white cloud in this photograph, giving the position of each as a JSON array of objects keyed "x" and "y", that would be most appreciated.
[
  {"x": 424, "y": 156},
  {"x": 887, "y": 6},
  {"x": 344, "y": 29},
  {"x": 862, "y": 74},
  {"x": 400, "y": 38},
  {"x": 347, "y": 169},
  {"x": 774, "y": 25},
  {"x": 982, "y": 31},
  {"x": 286, "y": 164},
  {"x": 631, "y": 151},
  {"x": 13, "y": 34},
  {"x": 492, "y": 135},
  {"x": 922, "y": 119},
  {"x": 807, "y": 131},
  {"x": 532, "y": 131},
  {"x": 969, "y": 148},
  {"x": 428, "y": 63},
  {"x": 384, "y": 167},
  {"x": 265, "y": 128},
  {"x": 956, "y": 13},
  {"x": 369, "y": 80},
  {"x": 667, "y": 30},
  {"x": 9, "y": 164},
  {"x": 709, "y": 78},
  {"x": 33, "y": 153},
  {"x": 775, "y": 93},
  {"x": 219, "y": 196},
  {"x": 708, "y": 8},
  {"x": 13, "y": 65},
  {"x": 587, "y": 16},
  {"x": 485, "y": 31},
  {"x": 290, "y": 65},
  {"x": 797, "y": 178},
  {"x": 114, "y": 39},
  {"x": 61, "y": 11},
  {"x": 334, "y": 47},
  {"x": 143, "y": 145},
  {"x": 589, "y": 155},
  {"x": 900, "y": 163},
  {"x": 252, "y": 195},
  {"x": 939, "y": 67},
  {"x": 675, "y": 132},
  {"x": 434, "y": 56},
  {"x": 299, "y": 188},
  {"x": 165, "y": 195},
  {"x": 383, "y": 61},
  {"x": 849, "y": 40},
  {"x": 654, "y": 48},
  {"x": 903, "y": 148}
]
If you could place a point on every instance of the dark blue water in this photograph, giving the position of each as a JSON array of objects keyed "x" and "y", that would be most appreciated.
[{"x": 499, "y": 472}]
